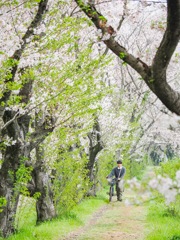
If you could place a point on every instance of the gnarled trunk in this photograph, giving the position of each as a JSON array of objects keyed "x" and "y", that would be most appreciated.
[
  {"x": 11, "y": 161},
  {"x": 16, "y": 128}
]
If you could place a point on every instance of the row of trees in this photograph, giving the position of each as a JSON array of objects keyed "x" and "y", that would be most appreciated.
[
  {"x": 50, "y": 90},
  {"x": 55, "y": 83}
]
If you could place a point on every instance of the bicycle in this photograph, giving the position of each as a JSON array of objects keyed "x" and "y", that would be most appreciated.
[{"x": 111, "y": 182}]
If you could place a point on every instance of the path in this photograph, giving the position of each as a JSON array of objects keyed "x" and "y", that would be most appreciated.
[{"x": 114, "y": 221}]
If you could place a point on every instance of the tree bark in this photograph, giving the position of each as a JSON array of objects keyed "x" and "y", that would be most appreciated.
[
  {"x": 95, "y": 146},
  {"x": 155, "y": 75},
  {"x": 12, "y": 155},
  {"x": 42, "y": 184},
  {"x": 18, "y": 131},
  {"x": 15, "y": 127}
]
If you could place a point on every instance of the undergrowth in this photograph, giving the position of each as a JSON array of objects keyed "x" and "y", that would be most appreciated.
[
  {"x": 163, "y": 221},
  {"x": 60, "y": 226}
]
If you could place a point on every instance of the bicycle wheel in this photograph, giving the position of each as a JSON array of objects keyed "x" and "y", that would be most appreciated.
[{"x": 110, "y": 193}]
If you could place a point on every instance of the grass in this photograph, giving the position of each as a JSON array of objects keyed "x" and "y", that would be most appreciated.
[
  {"x": 26, "y": 213},
  {"x": 57, "y": 228},
  {"x": 163, "y": 223}
]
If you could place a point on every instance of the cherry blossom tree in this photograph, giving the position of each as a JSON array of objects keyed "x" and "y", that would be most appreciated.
[
  {"x": 52, "y": 80},
  {"x": 155, "y": 74},
  {"x": 46, "y": 83}
]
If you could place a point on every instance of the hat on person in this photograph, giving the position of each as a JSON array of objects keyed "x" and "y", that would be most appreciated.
[{"x": 119, "y": 162}]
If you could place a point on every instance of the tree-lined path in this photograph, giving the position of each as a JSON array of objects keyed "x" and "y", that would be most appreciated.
[
  {"x": 85, "y": 83},
  {"x": 113, "y": 221}
]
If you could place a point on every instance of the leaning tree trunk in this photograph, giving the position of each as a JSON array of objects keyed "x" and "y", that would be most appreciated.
[{"x": 95, "y": 146}]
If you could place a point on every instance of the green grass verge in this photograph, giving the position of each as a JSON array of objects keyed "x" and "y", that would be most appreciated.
[
  {"x": 60, "y": 226},
  {"x": 163, "y": 223}
]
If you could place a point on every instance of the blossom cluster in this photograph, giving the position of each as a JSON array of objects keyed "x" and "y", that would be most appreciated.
[{"x": 167, "y": 187}]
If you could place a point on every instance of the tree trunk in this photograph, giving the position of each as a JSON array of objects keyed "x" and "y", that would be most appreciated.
[
  {"x": 11, "y": 161},
  {"x": 95, "y": 146},
  {"x": 17, "y": 129},
  {"x": 44, "y": 205},
  {"x": 93, "y": 151},
  {"x": 6, "y": 190}
]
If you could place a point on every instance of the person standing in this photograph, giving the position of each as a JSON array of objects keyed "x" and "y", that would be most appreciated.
[{"x": 118, "y": 172}]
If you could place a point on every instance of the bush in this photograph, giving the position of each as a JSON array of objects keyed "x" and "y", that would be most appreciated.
[{"x": 169, "y": 168}]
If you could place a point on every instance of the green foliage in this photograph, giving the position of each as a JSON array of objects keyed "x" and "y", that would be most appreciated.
[
  {"x": 70, "y": 182},
  {"x": 13, "y": 2},
  {"x": 102, "y": 18},
  {"x": 23, "y": 176},
  {"x": 13, "y": 100},
  {"x": 74, "y": 92},
  {"x": 136, "y": 168},
  {"x": 122, "y": 55},
  {"x": 169, "y": 168},
  {"x": 165, "y": 219},
  {"x": 30, "y": 5},
  {"x": 145, "y": 97},
  {"x": 3, "y": 203},
  {"x": 160, "y": 25},
  {"x": 151, "y": 80},
  {"x": 36, "y": 195},
  {"x": 105, "y": 164},
  {"x": 6, "y": 75},
  {"x": 26, "y": 213},
  {"x": 66, "y": 86}
]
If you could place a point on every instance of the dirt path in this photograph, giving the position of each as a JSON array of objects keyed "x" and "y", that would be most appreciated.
[{"x": 114, "y": 221}]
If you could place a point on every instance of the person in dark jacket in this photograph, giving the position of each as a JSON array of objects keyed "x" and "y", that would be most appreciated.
[{"x": 118, "y": 172}]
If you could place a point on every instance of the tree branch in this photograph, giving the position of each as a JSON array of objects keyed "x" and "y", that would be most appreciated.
[
  {"x": 18, "y": 53},
  {"x": 10, "y": 121},
  {"x": 123, "y": 16},
  {"x": 101, "y": 23},
  {"x": 155, "y": 76},
  {"x": 170, "y": 39},
  {"x": 38, "y": 136}
]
